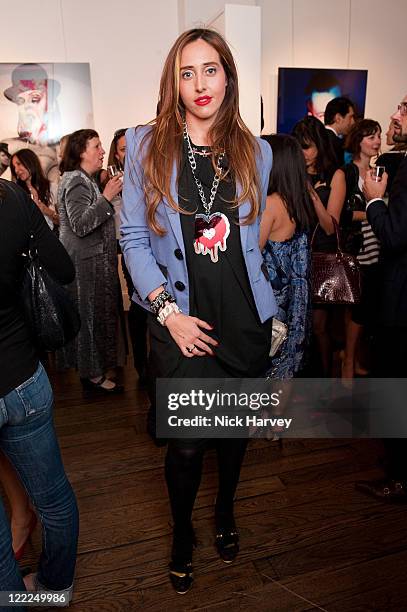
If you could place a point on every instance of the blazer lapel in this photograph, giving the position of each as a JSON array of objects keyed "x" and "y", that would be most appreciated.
[
  {"x": 173, "y": 215},
  {"x": 244, "y": 210}
]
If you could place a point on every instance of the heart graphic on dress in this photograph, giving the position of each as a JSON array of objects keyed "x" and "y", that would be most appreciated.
[{"x": 211, "y": 233}]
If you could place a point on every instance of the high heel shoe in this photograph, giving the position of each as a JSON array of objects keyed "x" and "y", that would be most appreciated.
[
  {"x": 227, "y": 544},
  {"x": 18, "y": 554},
  {"x": 181, "y": 572},
  {"x": 227, "y": 538},
  {"x": 96, "y": 387},
  {"x": 181, "y": 576}
]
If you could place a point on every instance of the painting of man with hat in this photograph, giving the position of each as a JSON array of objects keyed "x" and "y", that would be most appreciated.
[
  {"x": 35, "y": 95},
  {"x": 33, "y": 99}
]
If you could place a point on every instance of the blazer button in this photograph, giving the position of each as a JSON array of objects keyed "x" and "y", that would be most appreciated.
[
  {"x": 178, "y": 254},
  {"x": 179, "y": 285}
]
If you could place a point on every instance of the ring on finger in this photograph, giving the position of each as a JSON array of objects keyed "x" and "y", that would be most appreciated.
[{"x": 190, "y": 350}]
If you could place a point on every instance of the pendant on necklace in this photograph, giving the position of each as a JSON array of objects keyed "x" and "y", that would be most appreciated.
[{"x": 211, "y": 233}]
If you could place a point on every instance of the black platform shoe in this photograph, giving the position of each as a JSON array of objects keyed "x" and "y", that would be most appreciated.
[
  {"x": 181, "y": 572},
  {"x": 227, "y": 538},
  {"x": 181, "y": 576},
  {"x": 227, "y": 544}
]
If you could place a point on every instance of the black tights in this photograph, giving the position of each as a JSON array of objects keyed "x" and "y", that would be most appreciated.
[{"x": 183, "y": 471}]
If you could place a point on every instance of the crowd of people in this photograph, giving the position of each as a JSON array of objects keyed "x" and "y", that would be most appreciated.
[{"x": 208, "y": 220}]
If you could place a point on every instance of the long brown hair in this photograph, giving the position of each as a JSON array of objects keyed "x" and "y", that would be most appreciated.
[
  {"x": 228, "y": 133},
  {"x": 112, "y": 159},
  {"x": 39, "y": 181}
]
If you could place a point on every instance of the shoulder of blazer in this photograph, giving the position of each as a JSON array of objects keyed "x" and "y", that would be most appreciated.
[
  {"x": 136, "y": 140},
  {"x": 266, "y": 153},
  {"x": 135, "y": 135}
]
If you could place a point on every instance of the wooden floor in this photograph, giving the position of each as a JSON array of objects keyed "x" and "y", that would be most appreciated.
[{"x": 309, "y": 541}]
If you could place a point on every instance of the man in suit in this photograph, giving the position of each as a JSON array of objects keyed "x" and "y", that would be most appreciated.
[
  {"x": 390, "y": 226},
  {"x": 339, "y": 119}
]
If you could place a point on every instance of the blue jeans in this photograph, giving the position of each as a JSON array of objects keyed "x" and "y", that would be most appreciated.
[{"x": 27, "y": 437}]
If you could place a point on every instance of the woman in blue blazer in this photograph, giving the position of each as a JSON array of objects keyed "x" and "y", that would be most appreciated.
[{"x": 194, "y": 188}]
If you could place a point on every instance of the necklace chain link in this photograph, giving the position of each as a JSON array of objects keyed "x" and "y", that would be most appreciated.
[{"x": 216, "y": 180}]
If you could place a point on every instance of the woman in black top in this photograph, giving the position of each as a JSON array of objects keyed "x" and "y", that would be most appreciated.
[
  {"x": 27, "y": 172},
  {"x": 27, "y": 435},
  {"x": 195, "y": 182},
  {"x": 320, "y": 164},
  {"x": 328, "y": 196},
  {"x": 363, "y": 142}
]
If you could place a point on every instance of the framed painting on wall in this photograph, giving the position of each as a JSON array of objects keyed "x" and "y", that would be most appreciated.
[
  {"x": 307, "y": 91},
  {"x": 39, "y": 103}
]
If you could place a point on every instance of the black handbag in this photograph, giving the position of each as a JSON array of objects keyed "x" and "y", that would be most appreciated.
[
  {"x": 335, "y": 276},
  {"x": 49, "y": 310}
]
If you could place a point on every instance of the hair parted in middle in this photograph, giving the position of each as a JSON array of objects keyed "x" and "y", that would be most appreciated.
[
  {"x": 310, "y": 131},
  {"x": 112, "y": 159},
  {"x": 163, "y": 145}
]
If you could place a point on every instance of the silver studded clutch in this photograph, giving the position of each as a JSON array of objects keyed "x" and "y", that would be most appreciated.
[{"x": 279, "y": 333}]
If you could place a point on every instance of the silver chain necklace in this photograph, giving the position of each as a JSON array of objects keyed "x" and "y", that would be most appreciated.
[
  {"x": 211, "y": 230},
  {"x": 216, "y": 180}
]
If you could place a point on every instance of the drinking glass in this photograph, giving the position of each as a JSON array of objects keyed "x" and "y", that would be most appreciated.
[
  {"x": 377, "y": 173},
  {"x": 113, "y": 171}
]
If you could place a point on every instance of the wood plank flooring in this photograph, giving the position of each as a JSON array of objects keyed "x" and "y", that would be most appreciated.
[{"x": 309, "y": 541}]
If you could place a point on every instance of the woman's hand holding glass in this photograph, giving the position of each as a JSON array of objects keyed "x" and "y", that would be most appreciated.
[
  {"x": 187, "y": 332},
  {"x": 113, "y": 187}
]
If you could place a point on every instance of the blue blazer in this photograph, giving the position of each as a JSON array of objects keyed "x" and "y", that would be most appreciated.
[{"x": 154, "y": 260}]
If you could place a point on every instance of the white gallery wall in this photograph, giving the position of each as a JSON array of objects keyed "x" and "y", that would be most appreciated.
[
  {"x": 126, "y": 42},
  {"x": 242, "y": 30}
]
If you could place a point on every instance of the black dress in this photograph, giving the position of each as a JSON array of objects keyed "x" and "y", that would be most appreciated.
[
  {"x": 220, "y": 293},
  {"x": 322, "y": 242}
]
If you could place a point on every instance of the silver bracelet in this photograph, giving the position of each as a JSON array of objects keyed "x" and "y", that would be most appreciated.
[
  {"x": 165, "y": 312},
  {"x": 159, "y": 301}
]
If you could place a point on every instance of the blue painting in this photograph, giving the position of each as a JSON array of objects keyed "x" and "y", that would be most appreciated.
[{"x": 307, "y": 91}]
